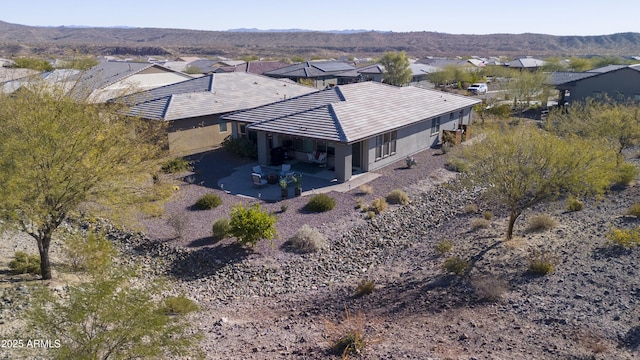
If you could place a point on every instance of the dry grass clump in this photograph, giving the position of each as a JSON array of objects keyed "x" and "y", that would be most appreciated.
[
  {"x": 487, "y": 215},
  {"x": 456, "y": 265},
  {"x": 397, "y": 197},
  {"x": 541, "y": 222},
  {"x": 477, "y": 224},
  {"x": 540, "y": 263},
  {"x": 573, "y": 204},
  {"x": 444, "y": 246},
  {"x": 378, "y": 205},
  {"x": 347, "y": 337},
  {"x": 470, "y": 209},
  {"x": 489, "y": 288},
  {"x": 634, "y": 210},
  {"x": 365, "y": 287},
  {"x": 365, "y": 189},
  {"x": 307, "y": 240}
]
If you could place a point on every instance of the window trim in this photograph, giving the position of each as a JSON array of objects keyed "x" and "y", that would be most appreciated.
[
  {"x": 386, "y": 144},
  {"x": 435, "y": 126}
]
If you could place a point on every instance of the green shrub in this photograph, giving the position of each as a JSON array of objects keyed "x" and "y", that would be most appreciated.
[
  {"x": 573, "y": 204},
  {"x": 487, "y": 215},
  {"x": 477, "y": 224},
  {"x": 208, "y": 202},
  {"x": 456, "y": 265},
  {"x": 457, "y": 165},
  {"x": 24, "y": 263},
  {"x": 176, "y": 165},
  {"x": 307, "y": 240},
  {"x": 502, "y": 111},
  {"x": 540, "y": 263},
  {"x": 371, "y": 214},
  {"x": 320, "y": 203},
  {"x": 626, "y": 238},
  {"x": 249, "y": 225},
  {"x": 378, "y": 205},
  {"x": 241, "y": 146},
  {"x": 541, "y": 222},
  {"x": 179, "y": 305},
  {"x": 221, "y": 229},
  {"x": 444, "y": 247},
  {"x": 634, "y": 210},
  {"x": 365, "y": 287},
  {"x": 397, "y": 197},
  {"x": 91, "y": 251},
  {"x": 625, "y": 174}
]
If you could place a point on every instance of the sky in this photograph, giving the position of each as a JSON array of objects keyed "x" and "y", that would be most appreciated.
[{"x": 568, "y": 17}]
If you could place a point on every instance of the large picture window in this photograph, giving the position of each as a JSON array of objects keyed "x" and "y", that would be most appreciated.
[
  {"x": 386, "y": 144},
  {"x": 435, "y": 126}
]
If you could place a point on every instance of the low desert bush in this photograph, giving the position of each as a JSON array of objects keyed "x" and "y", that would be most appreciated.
[
  {"x": 634, "y": 210},
  {"x": 397, "y": 197},
  {"x": 176, "y": 165},
  {"x": 178, "y": 222},
  {"x": 371, "y": 214},
  {"x": 457, "y": 165},
  {"x": 626, "y": 238},
  {"x": 489, "y": 288},
  {"x": 378, "y": 205},
  {"x": 625, "y": 174},
  {"x": 541, "y": 222},
  {"x": 88, "y": 251},
  {"x": 540, "y": 263},
  {"x": 24, "y": 263},
  {"x": 251, "y": 224},
  {"x": 307, "y": 240},
  {"x": 179, "y": 305},
  {"x": 221, "y": 229},
  {"x": 573, "y": 204},
  {"x": 470, "y": 209},
  {"x": 365, "y": 189},
  {"x": 456, "y": 265},
  {"x": 208, "y": 202},
  {"x": 365, "y": 287},
  {"x": 348, "y": 336},
  {"x": 444, "y": 246},
  {"x": 320, "y": 203},
  {"x": 477, "y": 224},
  {"x": 487, "y": 215}
]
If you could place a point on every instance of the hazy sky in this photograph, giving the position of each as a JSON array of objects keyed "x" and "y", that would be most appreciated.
[{"x": 565, "y": 17}]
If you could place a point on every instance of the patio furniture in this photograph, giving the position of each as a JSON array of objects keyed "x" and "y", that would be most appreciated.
[
  {"x": 258, "y": 170},
  {"x": 317, "y": 157},
  {"x": 273, "y": 178},
  {"x": 286, "y": 173},
  {"x": 257, "y": 179}
]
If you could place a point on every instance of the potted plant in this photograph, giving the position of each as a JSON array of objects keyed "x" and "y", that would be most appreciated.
[
  {"x": 297, "y": 182},
  {"x": 283, "y": 188}
]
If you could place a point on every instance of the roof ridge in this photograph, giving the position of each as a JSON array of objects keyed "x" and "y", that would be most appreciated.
[{"x": 337, "y": 123}]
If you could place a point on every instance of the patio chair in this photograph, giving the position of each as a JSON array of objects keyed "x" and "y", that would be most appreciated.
[
  {"x": 257, "y": 179},
  {"x": 258, "y": 170},
  {"x": 286, "y": 170}
]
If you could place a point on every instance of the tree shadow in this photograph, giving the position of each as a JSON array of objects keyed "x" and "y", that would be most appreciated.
[
  {"x": 607, "y": 252},
  {"x": 204, "y": 241},
  {"x": 631, "y": 340},
  {"x": 207, "y": 261}
]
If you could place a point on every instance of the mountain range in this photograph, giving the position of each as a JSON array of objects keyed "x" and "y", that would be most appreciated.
[{"x": 16, "y": 40}]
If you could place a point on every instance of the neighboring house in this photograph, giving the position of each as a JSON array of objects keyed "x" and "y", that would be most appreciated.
[
  {"x": 420, "y": 72},
  {"x": 322, "y": 73},
  {"x": 616, "y": 82},
  {"x": 193, "y": 108},
  {"x": 441, "y": 64},
  {"x": 59, "y": 79},
  {"x": 373, "y": 72},
  {"x": 362, "y": 126},
  {"x": 530, "y": 64},
  {"x": 254, "y": 67}
]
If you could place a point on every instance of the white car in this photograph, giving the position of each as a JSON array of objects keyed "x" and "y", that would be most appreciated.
[{"x": 478, "y": 88}]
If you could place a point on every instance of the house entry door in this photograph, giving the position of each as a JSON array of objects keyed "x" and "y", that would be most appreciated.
[{"x": 356, "y": 155}]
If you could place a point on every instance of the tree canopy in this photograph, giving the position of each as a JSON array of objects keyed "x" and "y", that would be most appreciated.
[{"x": 396, "y": 68}]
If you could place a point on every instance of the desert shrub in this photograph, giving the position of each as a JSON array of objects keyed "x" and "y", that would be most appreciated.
[
  {"x": 24, "y": 263},
  {"x": 179, "y": 305},
  {"x": 456, "y": 265},
  {"x": 365, "y": 189},
  {"x": 176, "y": 165},
  {"x": 457, "y": 165},
  {"x": 397, "y": 197},
  {"x": 378, "y": 205},
  {"x": 477, "y": 224},
  {"x": 470, "y": 209},
  {"x": 320, "y": 203},
  {"x": 634, "y": 210},
  {"x": 178, "y": 222},
  {"x": 251, "y": 224},
  {"x": 221, "y": 229},
  {"x": 371, "y": 214},
  {"x": 365, "y": 287},
  {"x": 625, "y": 174},
  {"x": 626, "y": 238},
  {"x": 540, "y": 263},
  {"x": 307, "y": 240},
  {"x": 573, "y": 204},
  {"x": 284, "y": 207},
  {"x": 241, "y": 147},
  {"x": 502, "y": 111},
  {"x": 487, "y": 215},
  {"x": 348, "y": 336},
  {"x": 489, "y": 288},
  {"x": 444, "y": 246},
  {"x": 541, "y": 222},
  {"x": 208, "y": 202},
  {"x": 359, "y": 205},
  {"x": 90, "y": 251}
]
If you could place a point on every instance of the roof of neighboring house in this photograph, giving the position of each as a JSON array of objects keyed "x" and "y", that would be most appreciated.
[
  {"x": 254, "y": 67},
  {"x": 205, "y": 66},
  {"x": 349, "y": 113},
  {"x": 212, "y": 94},
  {"x": 371, "y": 69},
  {"x": 607, "y": 68},
  {"x": 442, "y": 63},
  {"x": 313, "y": 69},
  {"x": 526, "y": 63},
  {"x": 565, "y": 77},
  {"x": 421, "y": 69}
]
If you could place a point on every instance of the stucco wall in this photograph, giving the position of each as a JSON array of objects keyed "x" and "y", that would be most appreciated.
[
  {"x": 624, "y": 81},
  {"x": 194, "y": 135}
]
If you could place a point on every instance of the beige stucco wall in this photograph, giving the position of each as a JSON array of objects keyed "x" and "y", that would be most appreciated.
[{"x": 192, "y": 136}]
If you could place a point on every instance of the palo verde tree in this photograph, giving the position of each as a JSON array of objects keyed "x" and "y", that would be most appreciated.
[
  {"x": 396, "y": 68},
  {"x": 58, "y": 153},
  {"x": 526, "y": 86},
  {"x": 523, "y": 166}
]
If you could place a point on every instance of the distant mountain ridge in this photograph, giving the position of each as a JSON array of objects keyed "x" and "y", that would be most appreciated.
[
  {"x": 18, "y": 40},
  {"x": 346, "y": 31}
]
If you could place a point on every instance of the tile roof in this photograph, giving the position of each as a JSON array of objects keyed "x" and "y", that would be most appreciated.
[
  {"x": 212, "y": 94},
  {"x": 526, "y": 63},
  {"x": 312, "y": 69},
  {"x": 349, "y": 113},
  {"x": 565, "y": 77}
]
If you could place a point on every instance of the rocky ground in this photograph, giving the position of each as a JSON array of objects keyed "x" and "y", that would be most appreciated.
[{"x": 267, "y": 303}]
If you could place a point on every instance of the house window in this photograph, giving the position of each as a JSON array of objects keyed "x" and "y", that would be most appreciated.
[
  {"x": 222, "y": 126},
  {"x": 435, "y": 126},
  {"x": 386, "y": 144},
  {"x": 450, "y": 116}
]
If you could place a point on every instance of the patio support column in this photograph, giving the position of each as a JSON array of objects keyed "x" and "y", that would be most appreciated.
[
  {"x": 263, "y": 149},
  {"x": 343, "y": 168}
]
